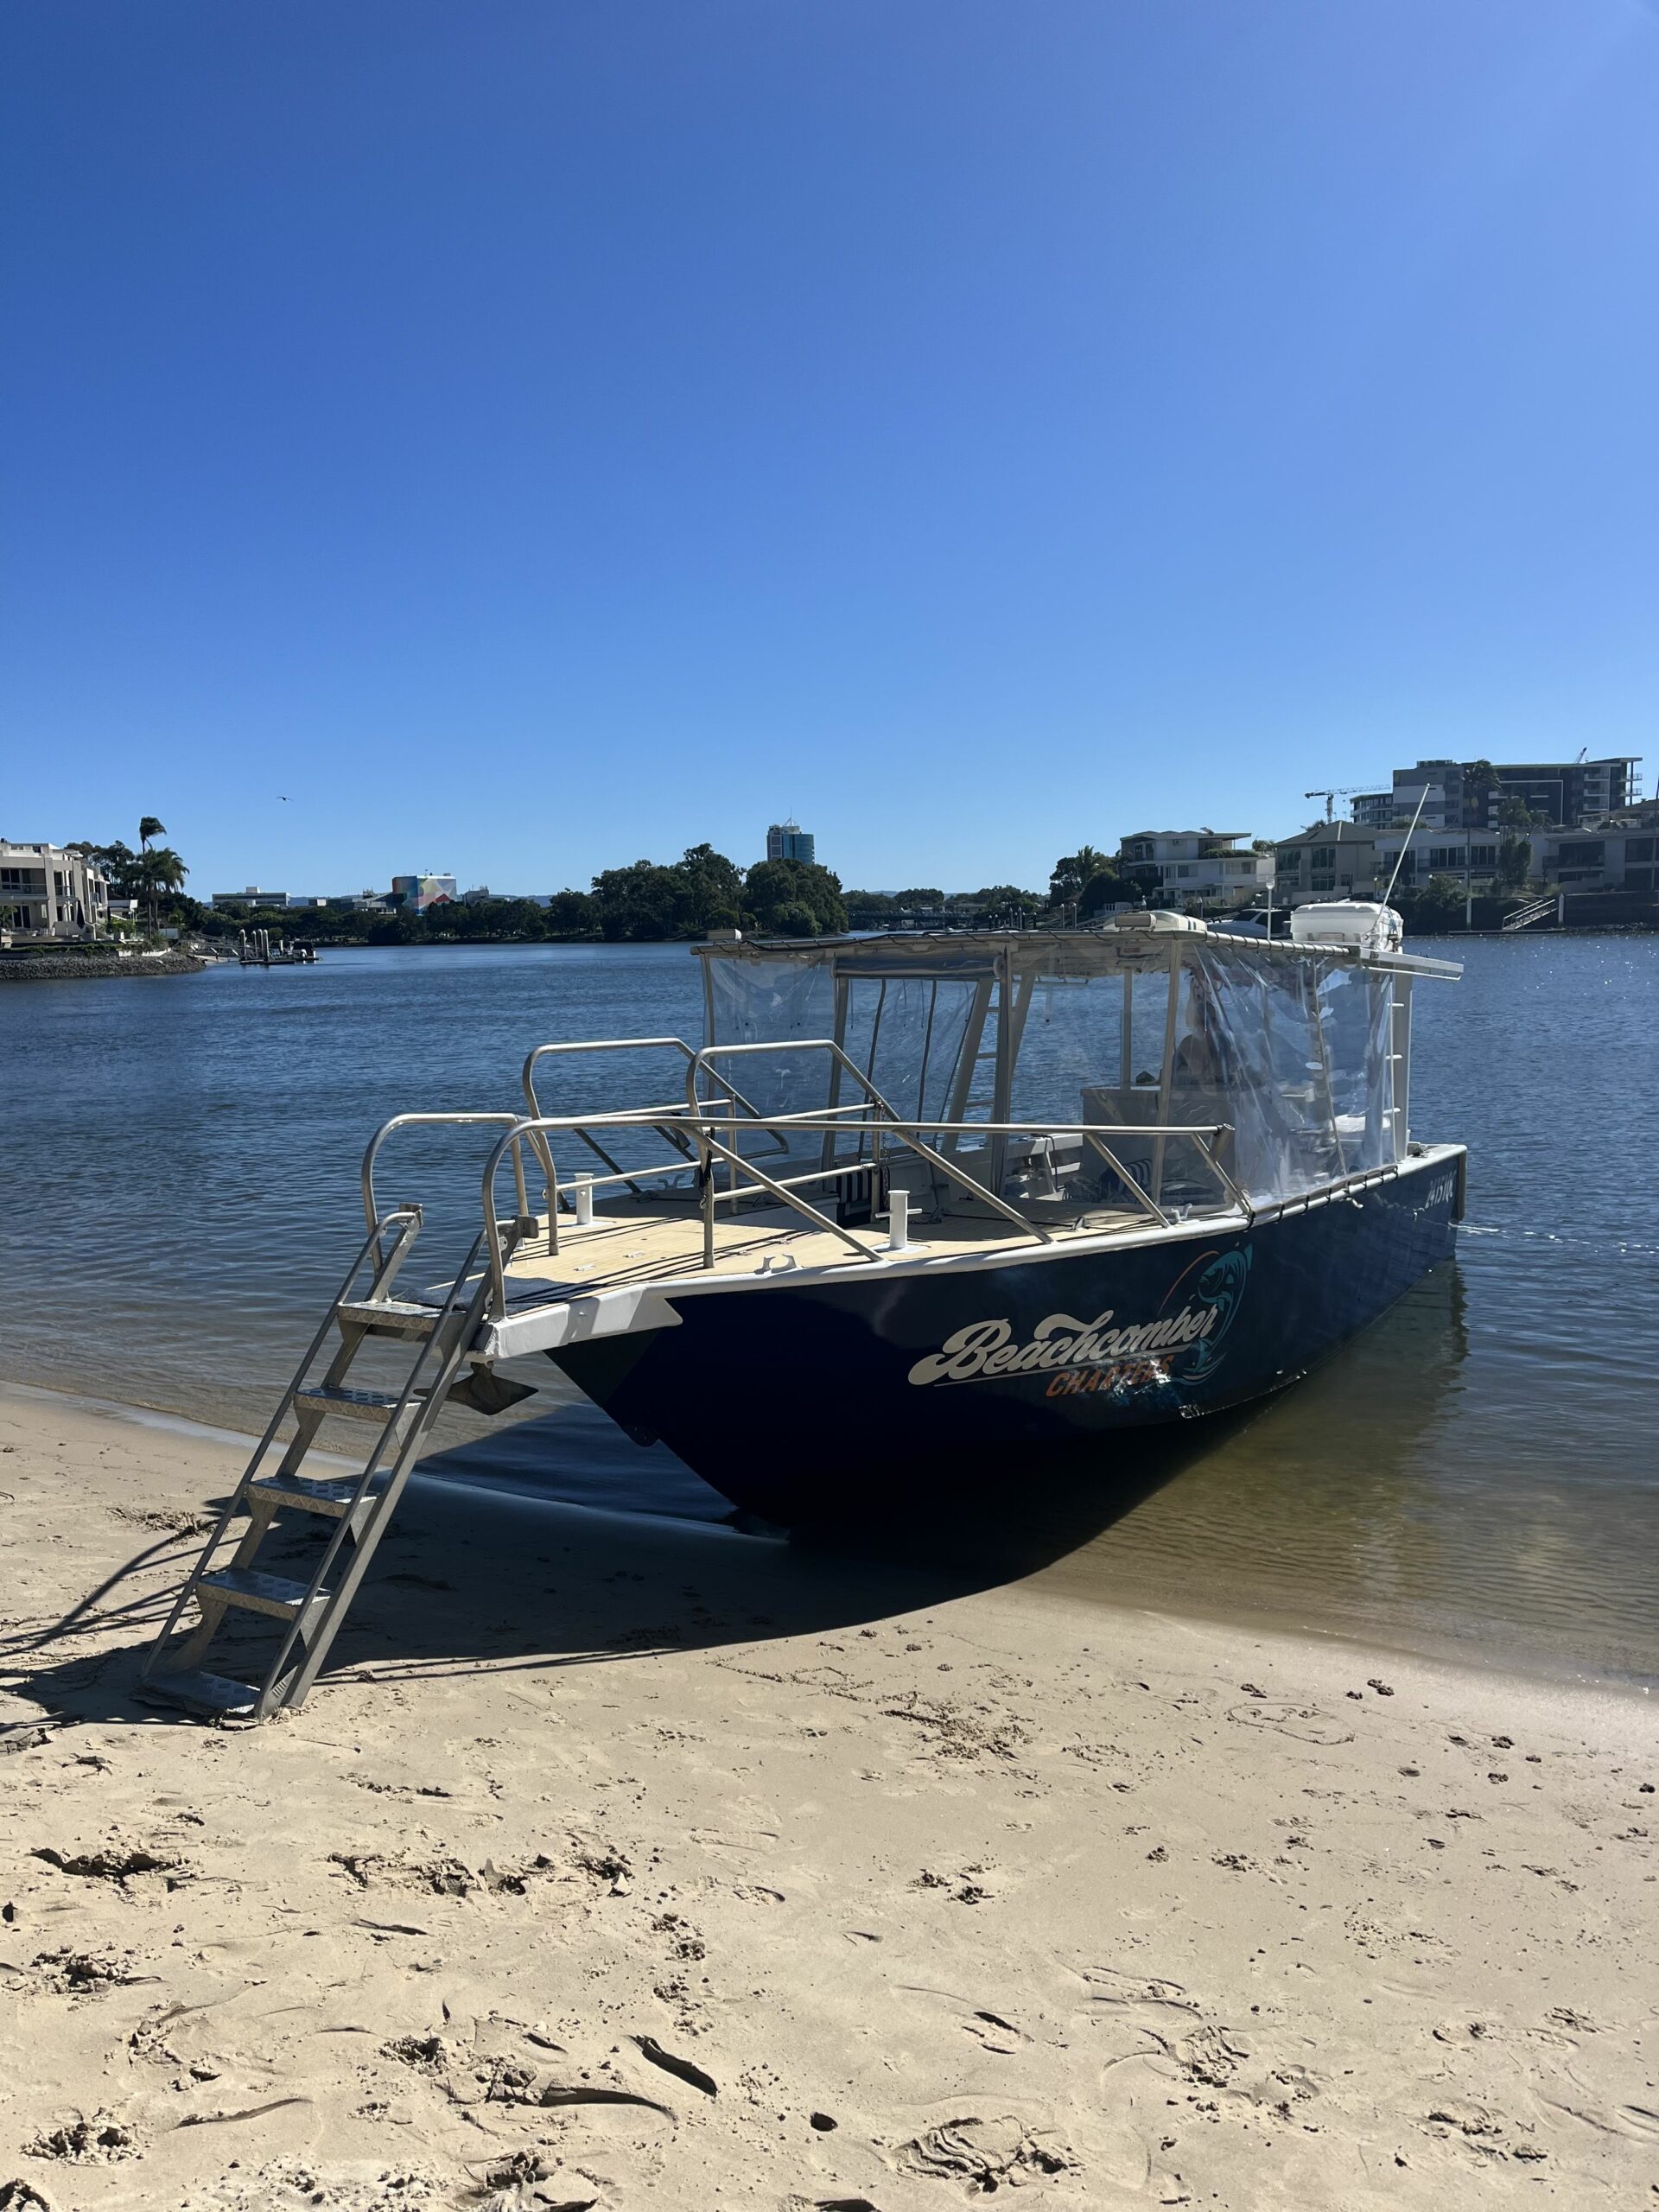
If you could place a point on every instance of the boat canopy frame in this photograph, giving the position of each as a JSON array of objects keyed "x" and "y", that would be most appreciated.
[{"x": 1244, "y": 1023}]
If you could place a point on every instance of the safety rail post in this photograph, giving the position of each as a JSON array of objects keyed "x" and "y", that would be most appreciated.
[
  {"x": 706, "y": 1196},
  {"x": 538, "y": 1142},
  {"x": 1210, "y": 1152},
  {"x": 782, "y": 1191},
  {"x": 669, "y": 1128},
  {"x": 1166, "y": 1078},
  {"x": 1127, "y": 1179},
  {"x": 872, "y": 1098},
  {"x": 377, "y": 1142}
]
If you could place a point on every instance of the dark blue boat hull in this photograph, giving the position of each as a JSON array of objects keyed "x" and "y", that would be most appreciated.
[{"x": 790, "y": 1398}]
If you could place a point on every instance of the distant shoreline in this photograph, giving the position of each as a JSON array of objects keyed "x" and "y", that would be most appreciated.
[
  {"x": 70, "y": 966},
  {"x": 557, "y": 943}
]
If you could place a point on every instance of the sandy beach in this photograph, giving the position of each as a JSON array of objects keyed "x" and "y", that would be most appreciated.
[{"x": 630, "y": 1865}]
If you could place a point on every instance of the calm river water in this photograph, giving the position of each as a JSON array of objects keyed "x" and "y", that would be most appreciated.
[{"x": 178, "y": 1171}]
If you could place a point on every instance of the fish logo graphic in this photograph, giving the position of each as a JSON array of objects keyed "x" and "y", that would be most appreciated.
[{"x": 1220, "y": 1288}]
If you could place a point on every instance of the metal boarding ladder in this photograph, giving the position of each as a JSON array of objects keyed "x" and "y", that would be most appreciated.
[
  {"x": 989, "y": 1104},
  {"x": 981, "y": 1053},
  {"x": 1524, "y": 916},
  {"x": 360, "y": 1506}
]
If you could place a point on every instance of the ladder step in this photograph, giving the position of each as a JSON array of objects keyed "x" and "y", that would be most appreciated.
[
  {"x": 309, "y": 1495},
  {"x": 259, "y": 1594},
  {"x": 388, "y": 1317},
  {"x": 199, "y": 1692},
  {"x": 442, "y": 1334},
  {"x": 354, "y": 1405}
]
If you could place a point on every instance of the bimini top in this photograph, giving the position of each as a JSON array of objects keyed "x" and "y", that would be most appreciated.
[
  {"x": 1354, "y": 934},
  {"x": 1300, "y": 1048}
]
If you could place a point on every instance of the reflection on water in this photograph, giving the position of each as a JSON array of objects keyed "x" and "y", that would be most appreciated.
[
  {"x": 1310, "y": 1456},
  {"x": 1477, "y": 1468}
]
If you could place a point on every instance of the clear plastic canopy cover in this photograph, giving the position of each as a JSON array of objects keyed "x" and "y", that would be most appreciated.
[{"x": 1290, "y": 1048}]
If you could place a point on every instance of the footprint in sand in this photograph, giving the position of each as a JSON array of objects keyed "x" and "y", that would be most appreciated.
[
  {"x": 1305, "y": 1722},
  {"x": 986, "y": 2154},
  {"x": 1465, "y": 2034},
  {"x": 989, "y": 2030},
  {"x": 1112, "y": 1986},
  {"x": 732, "y": 1839}
]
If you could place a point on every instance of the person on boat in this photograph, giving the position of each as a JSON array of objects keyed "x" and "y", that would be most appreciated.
[
  {"x": 1203, "y": 1070},
  {"x": 1204, "y": 1058}
]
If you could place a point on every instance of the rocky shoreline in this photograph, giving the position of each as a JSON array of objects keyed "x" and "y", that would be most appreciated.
[{"x": 68, "y": 966}]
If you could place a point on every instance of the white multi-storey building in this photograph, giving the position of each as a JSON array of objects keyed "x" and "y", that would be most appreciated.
[
  {"x": 47, "y": 891},
  {"x": 1199, "y": 865},
  {"x": 1340, "y": 860}
]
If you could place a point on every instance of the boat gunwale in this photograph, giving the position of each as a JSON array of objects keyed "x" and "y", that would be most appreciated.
[{"x": 505, "y": 1336}]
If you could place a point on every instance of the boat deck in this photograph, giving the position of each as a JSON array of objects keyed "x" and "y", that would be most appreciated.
[{"x": 633, "y": 1242}]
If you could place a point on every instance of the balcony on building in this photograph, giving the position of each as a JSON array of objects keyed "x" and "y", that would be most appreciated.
[
  {"x": 48, "y": 892},
  {"x": 1208, "y": 867}
]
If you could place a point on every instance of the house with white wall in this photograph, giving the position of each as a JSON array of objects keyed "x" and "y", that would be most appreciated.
[
  {"x": 1211, "y": 866},
  {"x": 47, "y": 891}
]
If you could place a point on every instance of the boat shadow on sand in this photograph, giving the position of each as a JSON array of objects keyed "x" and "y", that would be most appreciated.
[{"x": 472, "y": 1578}]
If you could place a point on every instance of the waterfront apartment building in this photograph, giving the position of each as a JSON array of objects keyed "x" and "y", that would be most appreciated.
[
  {"x": 1567, "y": 793},
  {"x": 1176, "y": 866},
  {"x": 787, "y": 841},
  {"x": 1333, "y": 860},
  {"x": 1621, "y": 857},
  {"x": 1340, "y": 860},
  {"x": 47, "y": 891},
  {"x": 420, "y": 892}
]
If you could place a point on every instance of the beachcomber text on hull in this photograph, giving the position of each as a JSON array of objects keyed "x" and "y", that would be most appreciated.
[{"x": 914, "y": 1199}]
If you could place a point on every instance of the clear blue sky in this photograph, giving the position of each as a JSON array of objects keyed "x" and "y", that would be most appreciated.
[{"x": 530, "y": 434}]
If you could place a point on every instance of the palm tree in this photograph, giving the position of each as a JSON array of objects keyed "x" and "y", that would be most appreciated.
[
  {"x": 148, "y": 880},
  {"x": 1070, "y": 875},
  {"x": 159, "y": 869}
]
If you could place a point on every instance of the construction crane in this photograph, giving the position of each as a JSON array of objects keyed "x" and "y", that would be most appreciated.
[{"x": 1335, "y": 792}]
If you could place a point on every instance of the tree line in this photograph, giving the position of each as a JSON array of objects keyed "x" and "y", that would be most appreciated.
[{"x": 646, "y": 901}]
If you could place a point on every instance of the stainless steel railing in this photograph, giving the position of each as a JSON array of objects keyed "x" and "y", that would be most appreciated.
[
  {"x": 884, "y": 1119},
  {"x": 715, "y": 1135},
  {"x": 708, "y": 1134}
]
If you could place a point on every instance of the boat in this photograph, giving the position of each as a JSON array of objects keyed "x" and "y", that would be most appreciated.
[
  {"x": 258, "y": 948},
  {"x": 922, "y": 1200},
  {"x": 919, "y": 1207}
]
